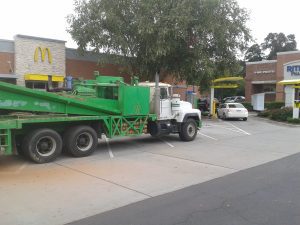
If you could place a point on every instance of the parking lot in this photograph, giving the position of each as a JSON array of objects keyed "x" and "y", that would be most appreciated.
[{"x": 127, "y": 170}]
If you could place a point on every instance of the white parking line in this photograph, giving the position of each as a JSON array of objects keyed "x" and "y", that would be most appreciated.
[
  {"x": 241, "y": 130},
  {"x": 111, "y": 155},
  {"x": 172, "y": 146},
  {"x": 207, "y": 136},
  {"x": 234, "y": 130},
  {"x": 231, "y": 128}
]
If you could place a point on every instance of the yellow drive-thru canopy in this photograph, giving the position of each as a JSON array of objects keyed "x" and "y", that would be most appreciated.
[
  {"x": 290, "y": 82},
  {"x": 226, "y": 82},
  {"x": 43, "y": 77}
]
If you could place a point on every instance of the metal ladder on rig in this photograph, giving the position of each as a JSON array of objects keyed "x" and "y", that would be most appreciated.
[{"x": 5, "y": 142}]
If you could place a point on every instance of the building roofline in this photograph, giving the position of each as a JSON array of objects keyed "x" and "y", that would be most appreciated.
[
  {"x": 289, "y": 52},
  {"x": 291, "y": 62},
  {"x": 72, "y": 53},
  {"x": 261, "y": 62},
  {"x": 7, "y": 46},
  {"x": 6, "y": 40},
  {"x": 39, "y": 38}
]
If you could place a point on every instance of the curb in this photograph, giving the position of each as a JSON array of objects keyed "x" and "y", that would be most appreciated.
[{"x": 278, "y": 122}]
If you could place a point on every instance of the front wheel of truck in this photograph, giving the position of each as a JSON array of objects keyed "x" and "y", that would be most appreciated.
[
  {"x": 42, "y": 145},
  {"x": 80, "y": 141},
  {"x": 188, "y": 130}
]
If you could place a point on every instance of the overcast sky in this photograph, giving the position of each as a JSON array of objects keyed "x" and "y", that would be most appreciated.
[{"x": 47, "y": 18}]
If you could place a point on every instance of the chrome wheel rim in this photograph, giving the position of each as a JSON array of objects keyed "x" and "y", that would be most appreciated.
[
  {"x": 46, "y": 146},
  {"x": 191, "y": 130},
  {"x": 84, "y": 141}
]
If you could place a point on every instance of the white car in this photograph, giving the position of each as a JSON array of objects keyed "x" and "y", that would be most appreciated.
[
  {"x": 232, "y": 110},
  {"x": 235, "y": 99}
]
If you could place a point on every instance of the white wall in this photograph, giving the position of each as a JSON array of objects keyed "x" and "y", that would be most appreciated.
[{"x": 24, "y": 57}]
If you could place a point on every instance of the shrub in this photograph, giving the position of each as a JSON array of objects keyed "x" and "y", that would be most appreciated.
[
  {"x": 295, "y": 121},
  {"x": 274, "y": 105},
  {"x": 204, "y": 113},
  {"x": 248, "y": 105},
  {"x": 265, "y": 113},
  {"x": 281, "y": 114}
]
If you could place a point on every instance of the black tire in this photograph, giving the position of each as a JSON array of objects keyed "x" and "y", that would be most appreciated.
[
  {"x": 42, "y": 145},
  {"x": 245, "y": 118},
  {"x": 80, "y": 141},
  {"x": 154, "y": 129},
  {"x": 188, "y": 130},
  {"x": 224, "y": 116}
]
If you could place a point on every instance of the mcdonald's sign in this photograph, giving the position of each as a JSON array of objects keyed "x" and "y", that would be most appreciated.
[{"x": 43, "y": 52}]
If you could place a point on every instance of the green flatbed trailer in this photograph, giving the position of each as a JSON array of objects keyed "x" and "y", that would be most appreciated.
[
  {"x": 40, "y": 124},
  {"x": 111, "y": 126}
]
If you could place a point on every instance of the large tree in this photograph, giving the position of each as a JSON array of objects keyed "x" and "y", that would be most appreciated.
[
  {"x": 279, "y": 42},
  {"x": 254, "y": 53},
  {"x": 191, "y": 39}
]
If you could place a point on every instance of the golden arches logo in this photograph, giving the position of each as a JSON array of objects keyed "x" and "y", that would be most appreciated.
[{"x": 43, "y": 52}]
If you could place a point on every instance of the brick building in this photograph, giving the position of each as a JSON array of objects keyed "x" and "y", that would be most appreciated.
[
  {"x": 29, "y": 61},
  {"x": 264, "y": 77}
]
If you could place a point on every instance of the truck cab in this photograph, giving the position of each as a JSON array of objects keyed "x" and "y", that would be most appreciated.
[{"x": 174, "y": 115}]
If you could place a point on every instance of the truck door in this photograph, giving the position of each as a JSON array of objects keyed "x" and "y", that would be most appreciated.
[{"x": 165, "y": 104}]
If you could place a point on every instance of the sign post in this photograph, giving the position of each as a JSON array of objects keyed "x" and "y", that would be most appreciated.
[
  {"x": 296, "y": 109},
  {"x": 220, "y": 83}
]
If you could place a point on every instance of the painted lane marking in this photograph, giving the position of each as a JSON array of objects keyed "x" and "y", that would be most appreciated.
[
  {"x": 172, "y": 146},
  {"x": 207, "y": 136},
  {"x": 234, "y": 130},
  {"x": 241, "y": 130},
  {"x": 231, "y": 128},
  {"x": 111, "y": 155}
]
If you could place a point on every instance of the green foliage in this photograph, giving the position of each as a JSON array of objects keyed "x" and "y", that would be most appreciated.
[
  {"x": 274, "y": 105},
  {"x": 279, "y": 42},
  {"x": 294, "y": 121},
  {"x": 281, "y": 114},
  {"x": 273, "y": 43},
  {"x": 248, "y": 105},
  {"x": 254, "y": 53},
  {"x": 277, "y": 113},
  {"x": 195, "y": 40},
  {"x": 265, "y": 113}
]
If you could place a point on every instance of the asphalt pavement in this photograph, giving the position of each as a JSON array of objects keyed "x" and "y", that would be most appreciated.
[
  {"x": 264, "y": 195},
  {"x": 127, "y": 170}
]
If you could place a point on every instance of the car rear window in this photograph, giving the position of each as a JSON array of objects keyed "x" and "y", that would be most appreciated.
[{"x": 236, "y": 106}]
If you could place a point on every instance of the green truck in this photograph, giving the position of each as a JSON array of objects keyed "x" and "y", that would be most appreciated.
[{"x": 40, "y": 124}]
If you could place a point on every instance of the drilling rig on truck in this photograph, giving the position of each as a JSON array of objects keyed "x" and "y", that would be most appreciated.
[{"x": 39, "y": 125}]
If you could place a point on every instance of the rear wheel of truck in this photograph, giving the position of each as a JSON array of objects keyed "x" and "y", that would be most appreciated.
[
  {"x": 80, "y": 141},
  {"x": 42, "y": 145},
  {"x": 188, "y": 130}
]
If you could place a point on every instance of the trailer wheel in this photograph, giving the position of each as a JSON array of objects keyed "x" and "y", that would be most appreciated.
[
  {"x": 188, "y": 130},
  {"x": 42, "y": 145},
  {"x": 80, "y": 141}
]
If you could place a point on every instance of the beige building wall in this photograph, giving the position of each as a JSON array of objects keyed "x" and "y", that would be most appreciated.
[{"x": 25, "y": 47}]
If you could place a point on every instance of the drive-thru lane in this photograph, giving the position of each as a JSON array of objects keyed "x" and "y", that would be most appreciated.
[{"x": 127, "y": 170}]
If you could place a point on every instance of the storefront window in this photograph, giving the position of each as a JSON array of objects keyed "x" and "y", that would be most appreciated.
[
  {"x": 269, "y": 88},
  {"x": 39, "y": 85}
]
